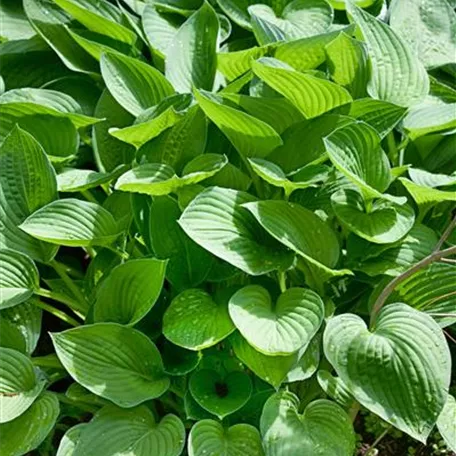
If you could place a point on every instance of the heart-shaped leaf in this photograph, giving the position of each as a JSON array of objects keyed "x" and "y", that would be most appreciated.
[
  {"x": 323, "y": 428},
  {"x": 279, "y": 329},
  {"x": 335, "y": 388},
  {"x": 389, "y": 369},
  {"x": 209, "y": 437},
  {"x": 216, "y": 220},
  {"x": 73, "y": 223},
  {"x": 446, "y": 423},
  {"x": 381, "y": 222},
  {"x": 313, "y": 96},
  {"x": 21, "y": 155},
  {"x": 195, "y": 321},
  {"x": 20, "y": 384},
  {"x": 191, "y": 56},
  {"x": 118, "y": 431},
  {"x": 69, "y": 440},
  {"x": 27, "y": 432},
  {"x": 19, "y": 278},
  {"x": 220, "y": 396},
  {"x": 179, "y": 361},
  {"x": 129, "y": 291},
  {"x": 397, "y": 75},
  {"x": 126, "y": 373}
]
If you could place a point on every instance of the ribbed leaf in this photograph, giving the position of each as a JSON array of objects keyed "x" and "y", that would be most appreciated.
[
  {"x": 335, "y": 388},
  {"x": 15, "y": 25},
  {"x": 21, "y": 155},
  {"x": 397, "y": 75},
  {"x": 299, "y": 19},
  {"x": 73, "y": 223},
  {"x": 237, "y": 11},
  {"x": 428, "y": 28},
  {"x": 126, "y": 373},
  {"x": 135, "y": 85},
  {"x": 220, "y": 396},
  {"x": 400, "y": 370},
  {"x": 323, "y": 428},
  {"x": 236, "y": 63},
  {"x": 216, "y": 220},
  {"x": 71, "y": 180},
  {"x": 191, "y": 57},
  {"x": 195, "y": 321},
  {"x": 69, "y": 440},
  {"x": 382, "y": 222},
  {"x": 27, "y": 432},
  {"x": 20, "y": 327},
  {"x": 20, "y": 384},
  {"x": 279, "y": 329},
  {"x": 250, "y": 136},
  {"x": 307, "y": 362},
  {"x": 124, "y": 432},
  {"x": 446, "y": 423},
  {"x": 427, "y": 179},
  {"x": 129, "y": 291},
  {"x": 19, "y": 278},
  {"x": 209, "y": 437},
  {"x": 313, "y": 96}
]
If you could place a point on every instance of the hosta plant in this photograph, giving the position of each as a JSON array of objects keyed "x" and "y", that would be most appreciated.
[{"x": 226, "y": 227}]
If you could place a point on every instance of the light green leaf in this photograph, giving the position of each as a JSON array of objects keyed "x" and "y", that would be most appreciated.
[
  {"x": 307, "y": 362},
  {"x": 381, "y": 222},
  {"x": 209, "y": 437},
  {"x": 21, "y": 155},
  {"x": 335, "y": 388},
  {"x": 20, "y": 384},
  {"x": 69, "y": 440},
  {"x": 446, "y": 424},
  {"x": 397, "y": 75},
  {"x": 20, "y": 327},
  {"x": 323, "y": 428},
  {"x": 313, "y": 96},
  {"x": 129, "y": 291},
  {"x": 299, "y": 19},
  {"x": 27, "y": 432},
  {"x": 427, "y": 179},
  {"x": 72, "y": 222},
  {"x": 71, "y": 180},
  {"x": 194, "y": 320},
  {"x": 279, "y": 329},
  {"x": 250, "y": 136},
  {"x": 220, "y": 396},
  {"x": 428, "y": 28},
  {"x": 126, "y": 373},
  {"x": 15, "y": 25},
  {"x": 19, "y": 278},
  {"x": 125, "y": 432},
  {"x": 217, "y": 222},
  {"x": 135, "y": 85},
  {"x": 400, "y": 370},
  {"x": 237, "y": 11},
  {"x": 236, "y": 63},
  {"x": 191, "y": 57}
]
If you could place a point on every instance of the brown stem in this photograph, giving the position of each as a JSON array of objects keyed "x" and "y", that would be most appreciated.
[{"x": 446, "y": 234}]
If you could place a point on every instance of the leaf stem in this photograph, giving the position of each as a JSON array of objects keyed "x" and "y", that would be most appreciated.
[
  {"x": 60, "y": 270},
  {"x": 282, "y": 281},
  {"x": 435, "y": 256},
  {"x": 392, "y": 149},
  {"x": 446, "y": 234},
  {"x": 378, "y": 440},
  {"x": 56, "y": 312},
  {"x": 73, "y": 305},
  {"x": 82, "y": 405},
  {"x": 70, "y": 270},
  {"x": 89, "y": 197}
]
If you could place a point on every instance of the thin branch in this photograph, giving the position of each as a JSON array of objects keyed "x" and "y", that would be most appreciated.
[
  {"x": 56, "y": 312},
  {"x": 436, "y": 256},
  {"x": 378, "y": 440},
  {"x": 448, "y": 260},
  {"x": 450, "y": 336},
  {"x": 446, "y": 234},
  {"x": 70, "y": 303}
]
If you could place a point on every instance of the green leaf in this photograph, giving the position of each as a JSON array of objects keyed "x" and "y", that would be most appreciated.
[
  {"x": 209, "y": 437},
  {"x": 179, "y": 361},
  {"x": 127, "y": 374},
  {"x": 335, "y": 388},
  {"x": 427, "y": 179},
  {"x": 281, "y": 328},
  {"x": 71, "y": 180},
  {"x": 428, "y": 28},
  {"x": 21, "y": 155},
  {"x": 27, "y": 432},
  {"x": 20, "y": 384},
  {"x": 236, "y": 63},
  {"x": 217, "y": 222},
  {"x": 20, "y": 327},
  {"x": 307, "y": 362},
  {"x": 313, "y": 96},
  {"x": 135, "y": 85},
  {"x": 191, "y": 56},
  {"x": 250, "y": 136},
  {"x": 159, "y": 179},
  {"x": 69, "y": 440},
  {"x": 400, "y": 370},
  {"x": 446, "y": 423},
  {"x": 19, "y": 278},
  {"x": 121, "y": 432},
  {"x": 194, "y": 320},
  {"x": 299, "y": 19},
  {"x": 129, "y": 291},
  {"x": 397, "y": 75},
  {"x": 381, "y": 222},
  {"x": 220, "y": 396},
  {"x": 323, "y": 428},
  {"x": 73, "y": 223},
  {"x": 237, "y": 11},
  {"x": 15, "y": 25}
]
